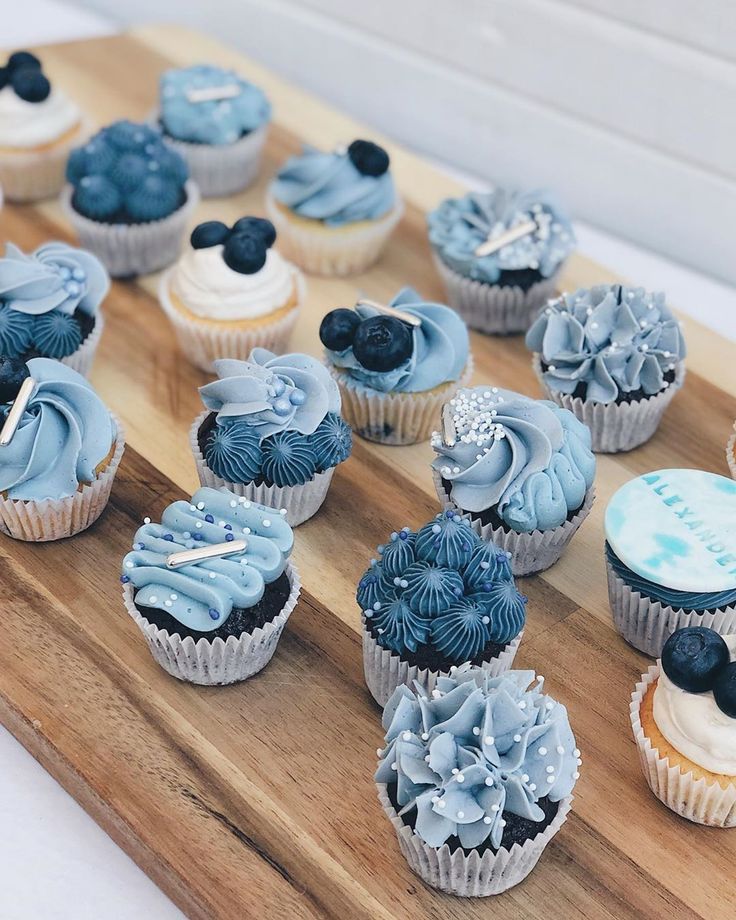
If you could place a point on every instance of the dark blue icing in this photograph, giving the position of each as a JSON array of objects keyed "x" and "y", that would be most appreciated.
[
  {"x": 233, "y": 451},
  {"x": 16, "y": 332},
  {"x": 57, "y": 334},
  {"x": 398, "y": 554},
  {"x": 288, "y": 458},
  {"x": 332, "y": 442},
  {"x": 429, "y": 589},
  {"x": 400, "y": 626},
  {"x": 448, "y": 540}
]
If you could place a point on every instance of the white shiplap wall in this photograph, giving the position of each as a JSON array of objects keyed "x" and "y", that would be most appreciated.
[{"x": 627, "y": 108}]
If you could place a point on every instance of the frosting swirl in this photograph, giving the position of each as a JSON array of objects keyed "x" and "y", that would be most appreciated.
[
  {"x": 607, "y": 340},
  {"x": 460, "y": 225},
  {"x": 474, "y": 750},
  {"x": 64, "y": 435},
  {"x": 527, "y": 458},
  {"x": 33, "y": 124}
]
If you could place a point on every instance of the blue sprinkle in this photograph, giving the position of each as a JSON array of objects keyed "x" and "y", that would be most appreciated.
[
  {"x": 403, "y": 535},
  {"x": 209, "y": 519},
  {"x": 229, "y": 537},
  {"x": 197, "y": 536},
  {"x": 228, "y": 526},
  {"x": 169, "y": 537},
  {"x": 487, "y": 585},
  {"x": 214, "y": 614},
  {"x": 124, "y": 579},
  {"x": 449, "y": 514}
]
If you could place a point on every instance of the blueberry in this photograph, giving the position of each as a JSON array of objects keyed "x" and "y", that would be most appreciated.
[
  {"x": 724, "y": 689},
  {"x": 30, "y": 84},
  {"x": 692, "y": 657},
  {"x": 368, "y": 158},
  {"x": 13, "y": 372},
  {"x": 244, "y": 253},
  {"x": 382, "y": 343},
  {"x": 20, "y": 59},
  {"x": 4, "y": 77},
  {"x": 337, "y": 329},
  {"x": 210, "y": 233},
  {"x": 257, "y": 226}
]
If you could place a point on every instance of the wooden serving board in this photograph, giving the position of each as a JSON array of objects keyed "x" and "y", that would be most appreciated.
[{"x": 257, "y": 800}]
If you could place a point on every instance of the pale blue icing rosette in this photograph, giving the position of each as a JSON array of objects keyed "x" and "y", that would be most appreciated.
[
  {"x": 521, "y": 469},
  {"x": 499, "y": 254},
  {"x": 465, "y": 764},
  {"x": 614, "y": 356}
]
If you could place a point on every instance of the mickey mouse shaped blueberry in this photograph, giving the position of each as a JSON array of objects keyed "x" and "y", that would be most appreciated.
[
  {"x": 245, "y": 244},
  {"x": 337, "y": 329},
  {"x": 697, "y": 659},
  {"x": 368, "y": 158},
  {"x": 23, "y": 72},
  {"x": 380, "y": 343}
]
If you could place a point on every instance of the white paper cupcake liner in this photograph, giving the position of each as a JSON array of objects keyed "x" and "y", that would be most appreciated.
[
  {"x": 493, "y": 308},
  {"x": 54, "y": 519},
  {"x": 204, "y": 342},
  {"x": 694, "y": 799},
  {"x": 647, "y": 624},
  {"x": 394, "y": 418},
  {"x": 214, "y": 662},
  {"x": 35, "y": 175},
  {"x": 529, "y": 552},
  {"x": 133, "y": 249},
  {"x": 332, "y": 250},
  {"x": 385, "y": 671},
  {"x": 81, "y": 360},
  {"x": 300, "y": 502},
  {"x": 616, "y": 427},
  {"x": 471, "y": 875},
  {"x": 731, "y": 454}
]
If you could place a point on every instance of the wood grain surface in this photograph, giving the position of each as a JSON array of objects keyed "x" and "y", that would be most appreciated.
[{"x": 257, "y": 800}]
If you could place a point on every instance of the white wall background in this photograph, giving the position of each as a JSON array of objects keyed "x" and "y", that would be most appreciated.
[{"x": 627, "y": 108}]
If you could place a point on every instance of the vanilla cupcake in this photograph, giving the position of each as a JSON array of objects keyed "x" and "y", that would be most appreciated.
[
  {"x": 335, "y": 211},
  {"x": 39, "y": 125},
  {"x": 231, "y": 292}
]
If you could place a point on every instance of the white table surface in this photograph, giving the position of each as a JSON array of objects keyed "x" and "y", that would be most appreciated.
[{"x": 55, "y": 862}]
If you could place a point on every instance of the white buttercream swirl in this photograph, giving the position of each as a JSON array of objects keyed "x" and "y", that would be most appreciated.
[
  {"x": 33, "y": 124},
  {"x": 695, "y": 726},
  {"x": 210, "y": 289}
]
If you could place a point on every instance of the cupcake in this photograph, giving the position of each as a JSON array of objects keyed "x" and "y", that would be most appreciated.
[
  {"x": 520, "y": 469},
  {"x": 612, "y": 355},
  {"x": 211, "y": 587},
  {"x": 499, "y": 254},
  {"x": 671, "y": 555},
  {"x": 39, "y": 125},
  {"x": 437, "y": 599},
  {"x": 218, "y": 122},
  {"x": 396, "y": 365},
  {"x": 231, "y": 292},
  {"x": 60, "y": 448},
  {"x": 271, "y": 431},
  {"x": 49, "y": 304},
  {"x": 129, "y": 198},
  {"x": 476, "y": 778},
  {"x": 335, "y": 211},
  {"x": 683, "y": 713}
]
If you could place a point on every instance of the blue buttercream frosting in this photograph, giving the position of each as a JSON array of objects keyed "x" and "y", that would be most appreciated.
[
  {"x": 210, "y": 121},
  {"x": 64, "y": 434},
  {"x": 427, "y": 590},
  {"x": 439, "y": 354},
  {"x": 527, "y": 458},
  {"x": 476, "y": 749},
  {"x": 612, "y": 339},
  {"x": 460, "y": 225},
  {"x": 202, "y": 595},
  {"x": 329, "y": 187}
]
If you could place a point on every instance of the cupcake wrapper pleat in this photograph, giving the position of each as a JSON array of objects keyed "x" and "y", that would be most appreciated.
[
  {"x": 470, "y": 875},
  {"x": 133, "y": 249},
  {"x": 493, "y": 308},
  {"x": 694, "y": 799},
  {"x": 36, "y": 175},
  {"x": 616, "y": 427},
  {"x": 81, "y": 360},
  {"x": 214, "y": 662},
  {"x": 54, "y": 519},
  {"x": 385, "y": 671},
  {"x": 731, "y": 454},
  {"x": 301, "y": 502},
  {"x": 529, "y": 552},
  {"x": 647, "y": 624}
]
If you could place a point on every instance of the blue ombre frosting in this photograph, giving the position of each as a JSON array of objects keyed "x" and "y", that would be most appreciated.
[
  {"x": 328, "y": 187},
  {"x": 215, "y": 121},
  {"x": 441, "y": 587},
  {"x": 64, "y": 434},
  {"x": 440, "y": 352},
  {"x": 475, "y": 750},
  {"x": 611, "y": 338},
  {"x": 460, "y": 225},
  {"x": 527, "y": 458},
  {"x": 202, "y": 595}
]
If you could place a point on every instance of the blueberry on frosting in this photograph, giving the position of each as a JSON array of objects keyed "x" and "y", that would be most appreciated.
[
  {"x": 244, "y": 245},
  {"x": 13, "y": 371},
  {"x": 338, "y": 328},
  {"x": 23, "y": 73},
  {"x": 693, "y": 657},
  {"x": 210, "y": 233},
  {"x": 368, "y": 158}
]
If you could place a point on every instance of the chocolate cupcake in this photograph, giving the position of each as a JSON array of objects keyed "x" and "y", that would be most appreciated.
[
  {"x": 476, "y": 777},
  {"x": 436, "y": 599}
]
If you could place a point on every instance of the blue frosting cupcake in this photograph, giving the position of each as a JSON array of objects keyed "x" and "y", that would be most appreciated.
[
  {"x": 334, "y": 211},
  {"x": 434, "y": 600},
  {"x": 272, "y": 431},
  {"x": 396, "y": 364},
  {"x": 218, "y": 122},
  {"x": 500, "y": 253}
]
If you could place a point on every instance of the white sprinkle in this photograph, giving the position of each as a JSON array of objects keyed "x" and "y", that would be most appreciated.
[
  {"x": 489, "y": 739},
  {"x": 476, "y": 730},
  {"x": 525, "y": 777},
  {"x": 532, "y": 787},
  {"x": 146, "y": 520},
  {"x": 198, "y": 524},
  {"x": 560, "y": 749},
  {"x": 542, "y": 751},
  {"x": 200, "y": 506},
  {"x": 487, "y": 819},
  {"x": 460, "y": 778},
  {"x": 425, "y": 736},
  {"x": 442, "y": 803},
  {"x": 495, "y": 807},
  {"x": 212, "y": 575},
  {"x": 576, "y": 775},
  {"x": 233, "y": 503},
  {"x": 455, "y": 771},
  {"x": 167, "y": 603},
  {"x": 517, "y": 738},
  {"x": 551, "y": 779},
  {"x": 393, "y": 766},
  {"x": 129, "y": 564},
  {"x": 550, "y": 769},
  {"x": 407, "y": 736},
  {"x": 153, "y": 599},
  {"x": 489, "y": 780},
  {"x": 266, "y": 522},
  {"x": 461, "y": 815}
]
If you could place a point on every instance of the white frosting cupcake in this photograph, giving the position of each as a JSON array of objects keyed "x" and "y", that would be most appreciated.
[{"x": 26, "y": 125}]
